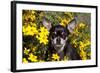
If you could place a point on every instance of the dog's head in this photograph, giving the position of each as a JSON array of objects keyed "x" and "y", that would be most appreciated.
[{"x": 59, "y": 34}]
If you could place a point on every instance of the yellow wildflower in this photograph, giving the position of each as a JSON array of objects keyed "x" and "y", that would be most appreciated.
[
  {"x": 32, "y": 17},
  {"x": 26, "y": 51},
  {"x": 81, "y": 45},
  {"x": 33, "y": 49},
  {"x": 43, "y": 35},
  {"x": 64, "y": 22},
  {"x": 70, "y": 15},
  {"x": 55, "y": 57},
  {"x": 29, "y": 17},
  {"x": 87, "y": 43},
  {"x": 33, "y": 12},
  {"x": 75, "y": 43},
  {"x": 24, "y": 60},
  {"x": 43, "y": 40},
  {"x": 83, "y": 55},
  {"x": 76, "y": 31},
  {"x": 44, "y": 31},
  {"x": 32, "y": 57},
  {"x": 30, "y": 30},
  {"x": 81, "y": 25}
]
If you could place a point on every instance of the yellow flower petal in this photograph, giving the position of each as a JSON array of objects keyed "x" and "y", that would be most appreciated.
[
  {"x": 24, "y": 60},
  {"x": 32, "y": 57},
  {"x": 55, "y": 57}
]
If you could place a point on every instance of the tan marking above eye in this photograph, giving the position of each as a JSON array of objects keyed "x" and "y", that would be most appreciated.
[{"x": 62, "y": 33}]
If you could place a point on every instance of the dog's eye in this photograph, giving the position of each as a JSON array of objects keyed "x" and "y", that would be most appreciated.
[{"x": 55, "y": 33}]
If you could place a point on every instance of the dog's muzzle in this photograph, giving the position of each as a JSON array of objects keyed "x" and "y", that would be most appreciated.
[{"x": 58, "y": 40}]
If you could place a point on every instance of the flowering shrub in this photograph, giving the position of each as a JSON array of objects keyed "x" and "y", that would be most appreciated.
[
  {"x": 81, "y": 40},
  {"x": 35, "y": 35}
]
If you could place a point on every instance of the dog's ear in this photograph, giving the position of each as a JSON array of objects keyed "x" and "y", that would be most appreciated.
[
  {"x": 71, "y": 25},
  {"x": 47, "y": 23}
]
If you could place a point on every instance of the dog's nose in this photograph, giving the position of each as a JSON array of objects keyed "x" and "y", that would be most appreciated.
[{"x": 58, "y": 40}]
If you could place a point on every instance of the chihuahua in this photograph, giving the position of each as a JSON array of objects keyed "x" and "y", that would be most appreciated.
[{"x": 59, "y": 42}]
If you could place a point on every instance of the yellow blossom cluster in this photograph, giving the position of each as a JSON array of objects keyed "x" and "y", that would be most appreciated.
[
  {"x": 30, "y": 30},
  {"x": 43, "y": 35},
  {"x": 64, "y": 21},
  {"x": 81, "y": 41},
  {"x": 29, "y": 16}
]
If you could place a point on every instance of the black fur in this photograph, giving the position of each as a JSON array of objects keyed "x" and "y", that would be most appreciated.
[{"x": 68, "y": 51}]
